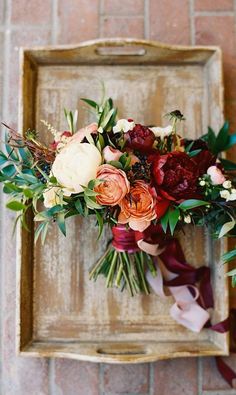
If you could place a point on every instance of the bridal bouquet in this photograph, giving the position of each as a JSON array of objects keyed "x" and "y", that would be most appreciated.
[{"x": 146, "y": 182}]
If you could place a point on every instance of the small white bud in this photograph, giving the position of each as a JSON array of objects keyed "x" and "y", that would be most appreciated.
[
  {"x": 232, "y": 196},
  {"x": 187, "y": 219},
  {"x": 227, "y": 184},
  {"x": 225, "y": 194},
  {"x": 202, "y": 183}
]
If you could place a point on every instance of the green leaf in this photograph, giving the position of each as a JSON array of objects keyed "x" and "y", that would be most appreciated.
[
  {"x": 60, "y": 218},
  {"x": 25, "y": 155},
  {"x": 116, "y": 164},
  {"x": 123, "y": 159},
  {"x": 228, "y": 164},
  {"x": 227, "y": 227},
  {"x": 107, "y": 118},
  {"x": 93, "y": 183},
  {"x": 91, "y": 203},
  {"x": 91, "y": 103},
  {"x": 189, "y": 146},
  {"x": 164, "y": 221},
  {"x": 3, "y": 159},
  {"x": 53, "y": 180},
  {"x": 90, "y": 192},
  {"x": 15, "y": 205},
  {"x": 54, "y": 210},
  {"x": 173, "y": 219},
  {"x": 231, "y": 273},
  {"x": 233, "y": 282},
  {"x": 222, "y": 138},
  {"x": 79, "y": 207},
  {"x": 231, "y": 141},
  {"x": 9, "y": 187},
  {"x": 29, "y": 178},
  {"x": 28, "y": 193},
  {"x": 9, "y": 170},
  {"x": 100, "y": 224},
  {"x": 38, "y": 230},
  {"x": 192, "y": 203},
  {"x": 194, "y": 153},
  {"x": 229, "y": 256},
  {"x": 211, "y": 139},
  {"x": 111, "y": 123},
  {"x": 42, "y": 216},
  {"x": 44, "y": 232}
]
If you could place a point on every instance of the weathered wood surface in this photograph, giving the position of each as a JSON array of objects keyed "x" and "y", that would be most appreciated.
[{"x": 60, "y": 312}]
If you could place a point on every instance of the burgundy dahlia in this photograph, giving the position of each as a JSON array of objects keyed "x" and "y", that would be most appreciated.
[
  {"x": 204, "y": 159},
  {"x": 140, "y": 138},
  {"x": 176, "y": 175}
]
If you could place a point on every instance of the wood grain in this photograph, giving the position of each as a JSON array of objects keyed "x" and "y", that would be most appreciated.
[{"x": 60, "y": 312}]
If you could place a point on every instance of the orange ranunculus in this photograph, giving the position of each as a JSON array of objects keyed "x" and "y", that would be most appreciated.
[
  {"x": 138, "y": 208},
  {"x": 114, "y": 185}
]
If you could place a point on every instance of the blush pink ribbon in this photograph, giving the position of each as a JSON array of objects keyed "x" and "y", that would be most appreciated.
[
  {"x": 173, "y": 274},
  {"x": 186, "y": 311}
]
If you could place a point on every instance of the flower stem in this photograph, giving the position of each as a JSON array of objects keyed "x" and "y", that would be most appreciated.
[{"x": 111, "y": 270}]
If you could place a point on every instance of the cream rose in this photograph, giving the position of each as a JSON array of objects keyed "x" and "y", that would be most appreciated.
[{"x": 75, "y": 165}]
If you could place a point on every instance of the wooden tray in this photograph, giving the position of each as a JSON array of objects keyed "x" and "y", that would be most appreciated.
[{"x": 60, "y": 312}]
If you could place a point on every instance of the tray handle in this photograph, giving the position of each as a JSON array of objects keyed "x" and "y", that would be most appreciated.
[
  {"x": 122, "y": 351},
  {"x": 121, "y": 50}
]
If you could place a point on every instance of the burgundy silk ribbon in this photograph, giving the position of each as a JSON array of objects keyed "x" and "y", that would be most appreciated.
[{"x": 180, "y": 278}]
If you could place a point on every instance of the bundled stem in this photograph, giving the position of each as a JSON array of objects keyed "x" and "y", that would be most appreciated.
[{"x": 125, "y": 270}]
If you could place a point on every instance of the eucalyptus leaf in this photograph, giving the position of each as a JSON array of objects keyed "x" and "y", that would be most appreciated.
[
  {"x": 60, "y": 218},
  {"x": 15, "y": 205},
  {"x": 229, "y": 256}
]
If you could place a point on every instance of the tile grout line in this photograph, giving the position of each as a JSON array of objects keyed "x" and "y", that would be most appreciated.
[
  {"x": 5, "y": 95},
  {"x": 51, "y": 376},
  {"x": 214, "y": 13},
  {"x": 199, "y": 375},
  {"x": 54, "y": 37},
  {"x": 54, "y": 5},
  {"x": 100, "y": 11},
  {"x": 192, "y": 21},
  {"x": 219, "y": 392},
  {"x": 115, "y": 16},
  {"x": 101, "y": 379},
  {"x": 146, "y": 13},
  {"x": 151, "y": 379}
]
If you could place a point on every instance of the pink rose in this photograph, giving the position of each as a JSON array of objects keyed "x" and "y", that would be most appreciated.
[
  {"x": 217, "y": 177},
  {"x": 114, "y": 185},
  {"x": 111, "y": 153},
  {"x": 82, "y": 133}
]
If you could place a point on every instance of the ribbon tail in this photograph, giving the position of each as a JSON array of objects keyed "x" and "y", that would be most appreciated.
[{"x": 226, "y": 372}]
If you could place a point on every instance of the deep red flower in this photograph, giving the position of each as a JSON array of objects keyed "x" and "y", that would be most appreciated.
[
  {"x": 176, "y": 175},
  {"x": 140, "y": 138},
  {"x": 204, "y": 159}
]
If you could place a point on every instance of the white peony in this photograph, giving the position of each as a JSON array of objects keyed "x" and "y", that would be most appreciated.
[
  {"x": 52, "y": 197},
  {"x": 75, "y": 165},
  {"x": 123, "y": 125},
  {"x": 162, "y": 132}
]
